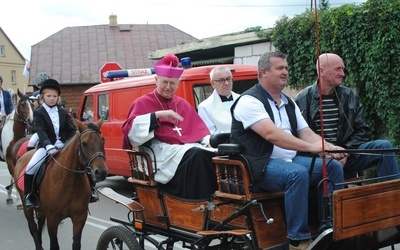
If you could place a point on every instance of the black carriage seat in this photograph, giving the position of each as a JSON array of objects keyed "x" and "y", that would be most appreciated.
[{"x": 234, "y": 177}]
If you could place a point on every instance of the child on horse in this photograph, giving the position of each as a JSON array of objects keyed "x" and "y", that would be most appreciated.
[
  {"x": 54, "y": 127},
  {"x": 35, "y": 98}
]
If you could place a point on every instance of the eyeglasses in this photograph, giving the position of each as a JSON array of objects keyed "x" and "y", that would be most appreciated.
[{"x": 223, "y": 80}]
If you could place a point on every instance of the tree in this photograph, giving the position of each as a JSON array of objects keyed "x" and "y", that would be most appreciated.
[{"x": 324, "y": 5}]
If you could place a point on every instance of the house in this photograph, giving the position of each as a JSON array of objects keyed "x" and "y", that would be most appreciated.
[
  {"x": 12, "y": 64},
  {"x": 243, "y": 47},
  {"x": 74, "y": 55}
]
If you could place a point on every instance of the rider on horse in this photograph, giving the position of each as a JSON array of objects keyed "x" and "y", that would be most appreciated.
[{"x": 54, "y": 127}]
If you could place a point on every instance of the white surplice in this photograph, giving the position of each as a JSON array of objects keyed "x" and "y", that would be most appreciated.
[
  {"x": 216, "y": 114},
  {"x": 168, "y": 156}
]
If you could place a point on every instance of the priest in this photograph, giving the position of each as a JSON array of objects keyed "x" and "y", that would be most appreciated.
[
  {"x": 175, "y": 133},
  {"x": 215, "y": 110}
]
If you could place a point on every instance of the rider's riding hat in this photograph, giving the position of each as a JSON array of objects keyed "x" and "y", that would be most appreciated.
[{"x": 50, "y": 84}]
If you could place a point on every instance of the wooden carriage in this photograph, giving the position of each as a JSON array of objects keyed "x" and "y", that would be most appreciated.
[{"x": 238, "y": 216}]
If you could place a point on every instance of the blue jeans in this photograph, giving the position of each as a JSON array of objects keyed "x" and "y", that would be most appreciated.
[
  {"x": 386, "y": 165},
  {"x": 293, "y": 178}
]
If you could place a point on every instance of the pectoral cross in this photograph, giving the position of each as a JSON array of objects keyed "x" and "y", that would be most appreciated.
[{"x": 177, "y": 130}]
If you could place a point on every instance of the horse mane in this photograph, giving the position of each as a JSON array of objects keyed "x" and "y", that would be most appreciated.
[{"x": 89, "y": 126}]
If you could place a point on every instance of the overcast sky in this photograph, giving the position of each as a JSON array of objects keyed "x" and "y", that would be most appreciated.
[{"x": 29, "y": 22}]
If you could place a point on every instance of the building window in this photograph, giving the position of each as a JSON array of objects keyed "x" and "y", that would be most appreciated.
[
  {"x": 13, "y": 77},
  {"x": 2, "y": 50}
]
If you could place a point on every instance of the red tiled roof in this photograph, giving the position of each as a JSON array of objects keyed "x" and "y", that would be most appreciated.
[{"x": 75, "y": 55}]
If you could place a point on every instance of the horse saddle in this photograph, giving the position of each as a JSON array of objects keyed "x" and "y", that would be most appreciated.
[{"x": 38, "y": 177}]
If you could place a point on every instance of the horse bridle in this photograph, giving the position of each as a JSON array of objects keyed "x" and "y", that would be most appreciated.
[
  {"x": 23, "y": 120},
  {"x": 86, "y": 163}
]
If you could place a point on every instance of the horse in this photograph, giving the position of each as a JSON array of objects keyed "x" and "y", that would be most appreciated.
[
  {"x": 65, "y": 191},
  {"x": 17, "y": 125}
]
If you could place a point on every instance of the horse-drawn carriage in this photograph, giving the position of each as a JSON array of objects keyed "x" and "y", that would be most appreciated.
[{"x": 237, "y": 216}]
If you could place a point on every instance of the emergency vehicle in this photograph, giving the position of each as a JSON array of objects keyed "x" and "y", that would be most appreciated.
[{"x": 112, "y": 100}]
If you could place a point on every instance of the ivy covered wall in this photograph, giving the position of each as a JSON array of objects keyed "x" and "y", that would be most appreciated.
[{"x": 367, "y": 37}]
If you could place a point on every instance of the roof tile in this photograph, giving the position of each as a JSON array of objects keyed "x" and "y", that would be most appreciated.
[{"x": 76, "y": 54}]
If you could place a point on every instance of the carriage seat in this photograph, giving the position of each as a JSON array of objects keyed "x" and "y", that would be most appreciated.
[
  {"x": 142, "y": 171},
  {"x": 234, "y": 177}
]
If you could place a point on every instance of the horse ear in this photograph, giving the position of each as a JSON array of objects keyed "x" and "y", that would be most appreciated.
[
  {"x": 100, "y": 122},
  {"x": 79, "y": 124},
  {"x": 19, "y": 93}
]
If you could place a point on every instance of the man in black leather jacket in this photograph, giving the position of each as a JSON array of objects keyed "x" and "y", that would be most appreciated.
[{"x": 344, "y": 122}]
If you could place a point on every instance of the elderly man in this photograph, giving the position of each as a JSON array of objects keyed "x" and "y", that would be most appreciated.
[
  {"x": 344, "y": 122},
  {"x": 174, "y": 130},
  {"x": 215, "y": 110}
]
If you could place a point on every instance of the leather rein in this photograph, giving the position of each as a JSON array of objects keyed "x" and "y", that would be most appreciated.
[{"x": 86, "y": 161}]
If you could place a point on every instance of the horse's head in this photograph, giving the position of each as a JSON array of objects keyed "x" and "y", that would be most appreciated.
[
  {"x": 24, "y": 111},
  {"x": 91, "y": 149}
]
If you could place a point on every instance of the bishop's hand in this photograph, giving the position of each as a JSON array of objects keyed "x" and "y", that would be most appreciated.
[{"x": 169, "y": 114}]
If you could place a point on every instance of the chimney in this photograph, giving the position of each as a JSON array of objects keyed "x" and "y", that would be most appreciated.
[{"x": 113, "y": 21}]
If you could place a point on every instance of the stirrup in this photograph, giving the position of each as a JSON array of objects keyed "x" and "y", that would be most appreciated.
[
  {"x": 94, "y": 197},
  {"x": 29, "y": 204}
]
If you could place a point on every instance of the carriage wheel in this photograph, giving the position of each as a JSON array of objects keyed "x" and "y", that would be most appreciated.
[{"x": 118, "y": 238}]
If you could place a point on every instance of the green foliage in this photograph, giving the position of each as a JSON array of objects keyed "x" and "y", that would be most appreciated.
[
  {"x": 265, "y": 33},
  {"x": 324, "y": 5},
  {"x": 367, "y": 38}
]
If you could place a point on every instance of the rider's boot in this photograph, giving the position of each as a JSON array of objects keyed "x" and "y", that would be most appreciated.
[
  {"x": 93, "y": 196},
  {"x": 29, "y": 203}
]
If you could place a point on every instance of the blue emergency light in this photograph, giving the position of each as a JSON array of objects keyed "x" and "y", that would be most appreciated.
[{"x": 185, "y": 63}]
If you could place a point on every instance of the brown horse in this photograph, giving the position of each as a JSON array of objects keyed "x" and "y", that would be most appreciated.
[
  {"x": 65, "y": 189},
  {"x": 16, "y": 126}
]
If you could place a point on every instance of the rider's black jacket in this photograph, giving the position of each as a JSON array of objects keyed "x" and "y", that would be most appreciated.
[{"x": 353, "y": 129}]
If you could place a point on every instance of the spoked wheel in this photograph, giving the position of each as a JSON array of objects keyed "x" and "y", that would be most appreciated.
[{"x": 118, "y": 238}]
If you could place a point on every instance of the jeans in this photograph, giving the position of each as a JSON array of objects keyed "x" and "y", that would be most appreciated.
[
  {"x": 386, "y": 165},
  {"x": 293, "y": 178}
]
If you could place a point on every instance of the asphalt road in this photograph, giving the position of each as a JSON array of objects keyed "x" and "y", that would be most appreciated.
[{"x": 14, "y": 232}]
